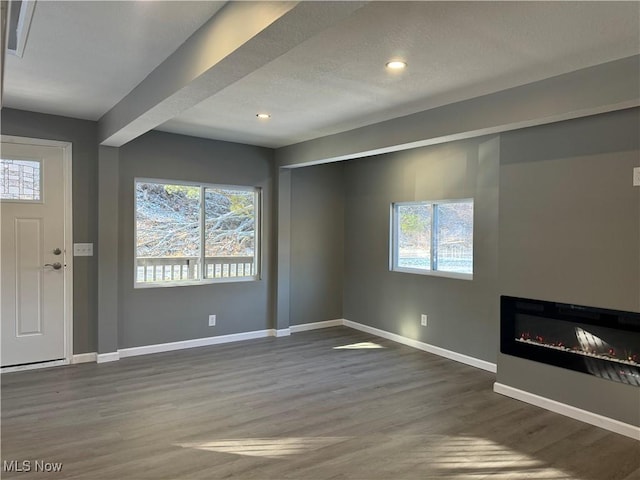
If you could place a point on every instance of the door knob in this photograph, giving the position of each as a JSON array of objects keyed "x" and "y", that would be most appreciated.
[
  {"x": 56, "y": 266},
  {"x": 57, "y": 251}
]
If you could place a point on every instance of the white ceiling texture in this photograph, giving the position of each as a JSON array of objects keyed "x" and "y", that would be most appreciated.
[{"x": 317, "y": 68}]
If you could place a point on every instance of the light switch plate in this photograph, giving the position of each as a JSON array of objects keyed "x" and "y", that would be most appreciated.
[
  {"x": 636, "y": 177},
  {"x": 83, "y": 249}
]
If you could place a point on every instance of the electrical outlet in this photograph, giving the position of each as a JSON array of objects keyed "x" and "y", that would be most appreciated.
[
  {"x": 423, "y": 320},
  {"x": 212, "y": 320},
  {"x": 636, "y": 177}
]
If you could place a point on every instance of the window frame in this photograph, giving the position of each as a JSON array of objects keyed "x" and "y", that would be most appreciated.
[
  {"x": 394, "y": 244},
  {"x": 257, "y": 276}
]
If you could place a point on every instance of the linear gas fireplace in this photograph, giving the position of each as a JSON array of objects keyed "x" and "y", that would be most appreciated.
[{"x": 598, "y": 341}]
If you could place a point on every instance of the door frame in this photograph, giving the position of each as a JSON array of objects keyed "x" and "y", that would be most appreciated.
[{"x": 67, "y": 159}]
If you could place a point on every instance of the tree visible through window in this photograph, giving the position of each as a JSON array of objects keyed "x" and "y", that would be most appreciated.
[
  {"x": 414, "y": 235},
  {"x": 433, "y": 236},
  {"x": 187, "y": 233}
]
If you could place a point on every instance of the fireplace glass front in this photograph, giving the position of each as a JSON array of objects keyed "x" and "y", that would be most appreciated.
[{"x": 601, "y": 342}]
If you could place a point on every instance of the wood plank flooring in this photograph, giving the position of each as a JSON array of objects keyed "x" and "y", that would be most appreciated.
[{"x": 295, "y": 408}]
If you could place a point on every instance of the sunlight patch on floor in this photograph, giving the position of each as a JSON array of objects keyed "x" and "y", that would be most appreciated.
[
  {"x": 474, "y": 457},
  {"x": 266, "y": 447},
  {"x": 438, "y": 456},
  {"x": 359, "y": 346}
]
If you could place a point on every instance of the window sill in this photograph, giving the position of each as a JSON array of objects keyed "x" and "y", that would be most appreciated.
[
  {"x": 435, "y": 273},
  {"x": 191, "y": 283}
]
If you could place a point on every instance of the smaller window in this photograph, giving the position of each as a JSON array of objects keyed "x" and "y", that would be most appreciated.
[
  {"x": 20, "y": 180},
  {"x": 433, "y": 238}
]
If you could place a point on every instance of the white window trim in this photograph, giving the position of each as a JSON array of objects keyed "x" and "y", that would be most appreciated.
[
  {"x": 393, "y": 241},
  {"x": 201, "y": 281}
]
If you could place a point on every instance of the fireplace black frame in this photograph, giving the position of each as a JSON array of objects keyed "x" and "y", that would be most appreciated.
[{"x": 512, "y": 306}]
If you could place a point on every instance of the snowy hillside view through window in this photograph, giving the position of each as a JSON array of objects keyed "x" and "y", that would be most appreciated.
[
  {"x": 191, "y": 233},
  {"x": 432, "y": 237}
]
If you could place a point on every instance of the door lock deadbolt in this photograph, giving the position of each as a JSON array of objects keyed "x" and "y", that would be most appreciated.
[{"x": 57, "y": 251}]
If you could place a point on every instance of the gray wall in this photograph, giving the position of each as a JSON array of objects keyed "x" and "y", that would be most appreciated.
[
  {"x": 159, "y": 315},
  {"x": 569, "y": 214},
  {"x": 463, "y": 315},
  {"x": 83, "y": 135},
  {"x": 108, "y": 264},
  {"x": 317, "y": 243},
  {"x": 570, "y": 232},
  {"x": 282, "y": 176}
]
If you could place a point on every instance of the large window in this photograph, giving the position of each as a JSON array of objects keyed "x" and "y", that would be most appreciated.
[
  {"x": 434, "y": 238},
  {"x": 195, "y": 233}
]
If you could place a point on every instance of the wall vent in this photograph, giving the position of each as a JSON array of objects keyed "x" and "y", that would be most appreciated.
[{"x": 19, "y": 22}]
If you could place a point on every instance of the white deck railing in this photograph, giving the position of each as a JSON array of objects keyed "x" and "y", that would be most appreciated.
[{"x": 166, "y": 269}]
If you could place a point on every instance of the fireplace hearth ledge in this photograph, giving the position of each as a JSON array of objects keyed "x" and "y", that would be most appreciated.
[{"x": 570, "y": 411}]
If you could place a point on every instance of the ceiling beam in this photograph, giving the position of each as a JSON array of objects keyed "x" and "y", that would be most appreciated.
[
  {"x": 239, "y": 39},
  {"x": 603, "y": 88}
]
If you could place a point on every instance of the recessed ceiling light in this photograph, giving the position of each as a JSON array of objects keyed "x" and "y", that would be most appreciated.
[
  {"x": 396, "y": 65},
  {"x": 263, "y": 116}
]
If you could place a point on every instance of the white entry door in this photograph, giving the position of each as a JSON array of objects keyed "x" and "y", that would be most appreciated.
[{"x": 32, "y": 248}]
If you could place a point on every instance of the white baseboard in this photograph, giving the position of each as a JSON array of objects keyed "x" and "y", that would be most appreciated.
[
  {"x": 458, "y": 357},
  {"x": 451, "y": 355},
  {"x": 237, "y": 337},
  {"x": 107, "y": 357},
  {"x": 284, "y": 332},
  {"x": 196, "y": 342},
  {"x": 84, "y": 357},
  {"x": 193, "y": 343},
  {"x": 315, "y": 325},
  {"x": 569, "y": 411}
]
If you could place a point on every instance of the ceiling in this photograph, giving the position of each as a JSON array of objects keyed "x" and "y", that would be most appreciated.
[{"x": 83, "y": 58}]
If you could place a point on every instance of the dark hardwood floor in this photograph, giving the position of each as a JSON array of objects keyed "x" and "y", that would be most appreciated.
[{"x": 296, "y": 407}]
